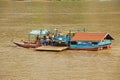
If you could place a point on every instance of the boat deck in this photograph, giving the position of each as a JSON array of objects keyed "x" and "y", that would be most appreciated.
[{"x": 51, "y": 48}]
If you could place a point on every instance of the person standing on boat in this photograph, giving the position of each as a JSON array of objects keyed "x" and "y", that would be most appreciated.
[
  {"x": 52, "y": 39},
  {"x": 37, "y": 40},
  {"x": 48, "y": 39},
  {"x": 44, "y": 41},
  {"x": 56, "y": 31},
  {"x": 53, "y": 36}
]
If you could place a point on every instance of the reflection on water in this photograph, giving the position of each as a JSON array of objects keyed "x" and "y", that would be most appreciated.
[{"x": 27, "y": 64}]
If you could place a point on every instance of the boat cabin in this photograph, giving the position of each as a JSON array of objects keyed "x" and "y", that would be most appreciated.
[
  {"x": 91, "y": 41},
  {"x": 61, "y": 40}
]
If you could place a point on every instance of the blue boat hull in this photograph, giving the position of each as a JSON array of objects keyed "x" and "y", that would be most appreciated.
[
  {"x": 96, "y": 48},
  {"x": 85, "y": 48}
]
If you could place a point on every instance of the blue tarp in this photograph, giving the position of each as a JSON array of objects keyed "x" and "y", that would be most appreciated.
[
  {"x": 62, "y": 38},
  {"x": 37, "y": 32}
]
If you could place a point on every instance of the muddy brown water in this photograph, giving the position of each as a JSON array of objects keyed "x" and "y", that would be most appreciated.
[{"x": 18, "y": 18}]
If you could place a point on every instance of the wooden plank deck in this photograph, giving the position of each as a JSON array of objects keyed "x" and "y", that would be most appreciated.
[{"x": 50, "y": 48}]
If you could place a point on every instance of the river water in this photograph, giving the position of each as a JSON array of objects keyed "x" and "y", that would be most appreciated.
[{"x": 18, "y": 18}]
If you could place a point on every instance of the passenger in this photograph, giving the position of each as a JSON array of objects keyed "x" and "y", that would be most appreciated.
[
  {"x": 37, "y": 40},
  {"x": 44, "y": 40},
  {"x": 47, "y": 39},
  {"x": 52, "y": 38},
  {"x": 56, "y": 31}
]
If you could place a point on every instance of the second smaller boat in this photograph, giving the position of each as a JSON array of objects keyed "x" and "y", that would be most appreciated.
[{"x": 26, "y": 45}]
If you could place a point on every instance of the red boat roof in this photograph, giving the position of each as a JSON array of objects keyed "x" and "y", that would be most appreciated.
[{"x": 95, "y": 36}]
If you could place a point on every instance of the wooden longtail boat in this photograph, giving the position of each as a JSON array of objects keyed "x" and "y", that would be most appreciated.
[{"x": 26, "y": 45}]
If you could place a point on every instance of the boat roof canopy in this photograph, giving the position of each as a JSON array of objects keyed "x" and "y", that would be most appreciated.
[
  {"x": 38, "y": 32},
  {"x": 92, "y": 36}
]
